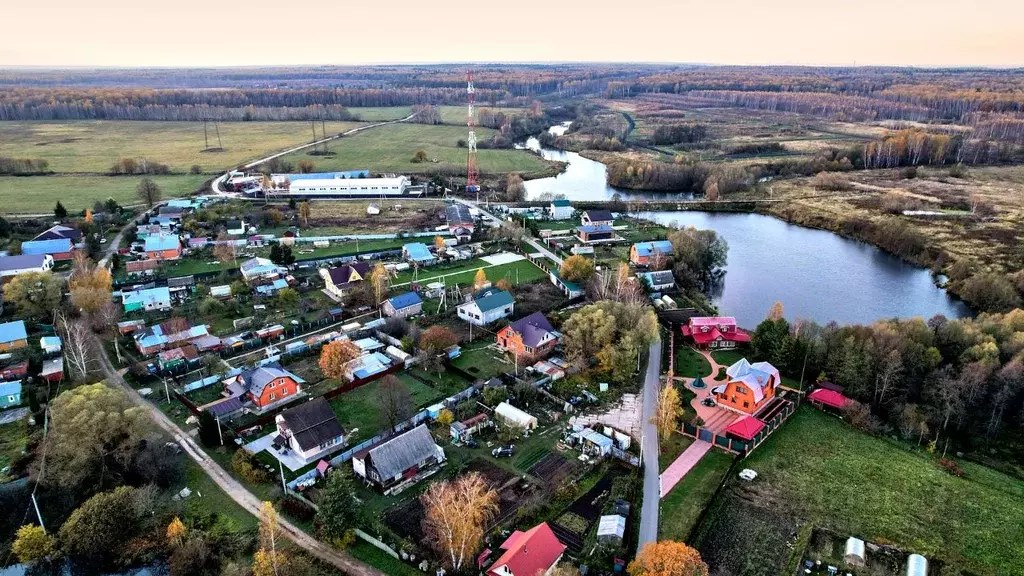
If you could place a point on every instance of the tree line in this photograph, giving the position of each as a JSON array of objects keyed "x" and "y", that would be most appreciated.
[
  {"x": 22, "y": 166},
  {"x": 958, "y": 381}
]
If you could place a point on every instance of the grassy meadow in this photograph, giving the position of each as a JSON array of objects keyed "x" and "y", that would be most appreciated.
[
  {"x": 95, "y": 145},
  {"x": 821, "y": 470},
  {"x": 39, "y": 194},
  {"x": 391, "y": 148}
]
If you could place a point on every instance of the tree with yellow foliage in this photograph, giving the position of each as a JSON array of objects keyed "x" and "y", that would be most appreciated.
[
  {"x": 269, "y": 559},
  {"x": 480, "y": 280},
  {"x": 89, "y": 284},
  {"x": 378, "y": 280},
  {"x": 31, "y": 544},
  {"x": 668, "y": 411},
  {"x": 439, "y": 244},
  {"x": 456, "y": 512},
  {"x": 445, "y": 417},
  {"x": 577, "y": 268},
  {"x": 667, "y": 558},
  {"x": 335, "y": 355},
  {"x": 304, "y": 212},
  {"x": 776, "y": 312},
  {"x": 176, "y": 531}
]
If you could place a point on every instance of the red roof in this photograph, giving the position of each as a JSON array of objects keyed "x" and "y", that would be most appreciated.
[
  {"x": 734, "y": 335},
  {"x": 745, "y": 428},
  {"x": 828, "y": 398},
  {"x": 529, "y": 553}
]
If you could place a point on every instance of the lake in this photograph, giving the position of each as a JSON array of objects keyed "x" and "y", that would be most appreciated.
[{"x": 817, "y": 275}]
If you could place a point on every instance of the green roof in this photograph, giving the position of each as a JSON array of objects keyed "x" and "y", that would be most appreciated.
[
  {"x": 560, "y": 203},
  {"x": 492, "y": 299}
]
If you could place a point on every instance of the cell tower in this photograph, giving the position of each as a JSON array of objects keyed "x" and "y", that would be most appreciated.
[{"x": 471, "y": 171}]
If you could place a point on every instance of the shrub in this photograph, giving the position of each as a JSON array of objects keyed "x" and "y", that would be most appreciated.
[
  {"x": 952, "y": 467},
  {"x": 958, "y": 171},
  {"x": 831, "y": 182},
  {"x": 196, "y": 169},
  {"x": 297, "y": 509},
  {"x": 246, "y": 466},
  {"x": 909, "y": 173}
]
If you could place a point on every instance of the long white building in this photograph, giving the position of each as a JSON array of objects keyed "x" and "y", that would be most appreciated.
[{"x": 341, "y": 187}]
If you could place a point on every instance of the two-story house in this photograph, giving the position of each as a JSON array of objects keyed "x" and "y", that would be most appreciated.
[
  {"x": 529, "y": 336},
  {"x": 487, "y": 306}
]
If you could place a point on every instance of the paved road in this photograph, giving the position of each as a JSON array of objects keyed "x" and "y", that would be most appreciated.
[
  {"x": 115, "y": 242},
  {"x": 232, "y": 487},
  {"x": 649, "y": 449},
  {"x": 216, "y": 184}
]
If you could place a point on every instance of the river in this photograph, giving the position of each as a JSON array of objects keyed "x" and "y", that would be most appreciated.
[{"x": 817, "y": 275}]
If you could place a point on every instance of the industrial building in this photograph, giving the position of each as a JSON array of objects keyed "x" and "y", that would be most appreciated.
[{"x": 342, "y": 185}]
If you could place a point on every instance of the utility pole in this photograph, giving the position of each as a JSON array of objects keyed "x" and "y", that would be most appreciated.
[
  {"x": 206, "y": 135},
  {"x": 167, "y": 391},
  {"x": 39, "y": 516},
  {"x": 219, "y": 433},
  {"x": 284, "y": 486},
  {"x": 217, "y": 128}
]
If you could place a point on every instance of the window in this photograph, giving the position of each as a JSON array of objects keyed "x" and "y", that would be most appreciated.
[
  {"x": 273, "y": 397},
  {"x": 746, "y": 404},
  {"x": 12, "y": 399},
  {"x": 741, "y": 390}
]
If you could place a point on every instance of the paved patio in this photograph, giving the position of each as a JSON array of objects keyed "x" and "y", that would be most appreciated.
[
  {"x": 625, "y": 415},
  {"x": 290, "y": 460},
  {"x": 715, "y": 418}
]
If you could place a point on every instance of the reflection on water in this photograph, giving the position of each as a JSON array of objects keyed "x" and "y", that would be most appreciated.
[{"x": 817, "y": 275}]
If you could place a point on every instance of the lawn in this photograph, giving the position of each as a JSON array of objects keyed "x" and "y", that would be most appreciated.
[
  {"x": 690, "y": 363},
  {"x": 13, "y": 441},
  {"x": 671, "y": 448},
  {"x": 515, "y": 272},
  {"x": 727, "y": 357},
  {"x": 207, "y": 497},
  {"x": 837, "y": 477},
  {"x": 483, "y": 362},
  {"x": 447, "y": 384},
  {"x": 95, "y": 145},
  {"x": 682, "y": 507},
  {"x": 391, "y": 148},
  {"x": 39, "y": 194},
  {"x": 359, "y": 408}
]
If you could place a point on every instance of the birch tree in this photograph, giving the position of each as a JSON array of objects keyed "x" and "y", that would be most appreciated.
[
  {"x": 75, "y": 344},
  {"x": 456, "y": 515}
]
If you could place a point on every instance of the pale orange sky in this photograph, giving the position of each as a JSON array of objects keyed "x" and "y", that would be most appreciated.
[{"x": 261, "y": 32}]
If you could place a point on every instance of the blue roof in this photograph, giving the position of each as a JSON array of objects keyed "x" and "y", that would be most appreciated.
[
  {"x": 592, "y": 228},
  {"x": 56, "y": 246},
  {"x": 418, "y": 251},
  {"x": 13, "y": 331},
  {"x": 162, "y": 242},
  {"x": 48, "y": 341},
  {"x": 148, "y": 296},
  {"x": 649, "y": 248},
  {"x": 10, "y": 388},
  {"x": 330, "y": 175},
  {"x": 405, "y": 300}
]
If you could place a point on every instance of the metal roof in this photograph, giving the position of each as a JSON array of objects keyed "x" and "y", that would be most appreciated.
[
  {"x": 56, "y": 246},
  {"x": 403, "y": 452},
  {"x": 533, "y": 328},
  {"x": 492, "y": 298},
  {"x": 405, "y": 300},
  {"x": 312, "y": 423},
  {"x": 649, "y": 248},
  {"x": 417, "y": 251},
  {"x": 596, "y": 228},
  {"x": 13, "y": 331},
  {"x": 162, "y": 242},
  {"x": 150, "y": 296},
  {"x": 22, "y": 262},
  {"x": 598, "y": 215}
]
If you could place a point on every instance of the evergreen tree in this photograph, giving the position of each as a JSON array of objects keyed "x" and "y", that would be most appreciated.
[{"x": 60, "y": 211}]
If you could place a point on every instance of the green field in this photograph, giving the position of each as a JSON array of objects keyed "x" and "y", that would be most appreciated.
[
  {"x": 689, "y": 363},
  {"x": 39, "y": 194},
  {"x": 391, "y": 148},
  {"x": 515, "y": 272},
  {"x": 359, "y": 408},
  {"x": 13, "y": 441},
  {"x": 481, "y": 360},
  {"x": 820, "y": 469},
  {"x": 95, "y": 145},
  {"x": 682, "y": 507}
]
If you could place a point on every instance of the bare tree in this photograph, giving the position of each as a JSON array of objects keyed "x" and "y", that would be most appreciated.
[
  {"x": 394, "y": 400},
  {"x": 457, "y": 512},
  {"x": 75, "y": 344}
]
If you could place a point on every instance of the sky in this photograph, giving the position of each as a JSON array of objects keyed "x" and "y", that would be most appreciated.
[{"x": 264, "y": 33}]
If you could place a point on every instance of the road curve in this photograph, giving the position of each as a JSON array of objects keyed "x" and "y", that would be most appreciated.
[
  {"x": 231, "y": 487},
  {"x": 532, "y": 242},
  {"x": 217, "y": 182},
  {"x": 649, "y": 449}
]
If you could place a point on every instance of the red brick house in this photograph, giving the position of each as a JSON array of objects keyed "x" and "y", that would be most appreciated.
[
  {"x": 715, "y": 332},
  {"x": 530, "y": 336},
  {"x": 265, "y": 386}
]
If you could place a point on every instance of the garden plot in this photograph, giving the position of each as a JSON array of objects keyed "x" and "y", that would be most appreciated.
[
  {"x": 572, "y": 525},
  {"x": 553, "y": 468}
]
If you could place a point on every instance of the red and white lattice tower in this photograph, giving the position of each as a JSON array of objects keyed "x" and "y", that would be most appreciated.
[{"x": 471, "y": 171}]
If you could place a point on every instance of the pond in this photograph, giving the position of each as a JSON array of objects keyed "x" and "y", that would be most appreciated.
[{"x": 817, "y": 275}]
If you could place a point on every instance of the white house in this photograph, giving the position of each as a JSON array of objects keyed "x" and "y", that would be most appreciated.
[
  {"x": 514, "y": 416},
  {"x": 328, "y": 186},
  {"x": 310, "y": 429},
  {"x": 560, "y": 210},
  {"x": 487, "y": 306},
  {"x": 14, "y": 265}
]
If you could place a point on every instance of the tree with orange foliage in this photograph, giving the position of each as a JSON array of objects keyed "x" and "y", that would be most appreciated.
[
  {"x": 667, "y": 558},
  {"x": 456, "y": 513},
  {"x": 433, "y": 342},
  {"x": 503, "y": 284},
  {"x": 335, "y": 356}
]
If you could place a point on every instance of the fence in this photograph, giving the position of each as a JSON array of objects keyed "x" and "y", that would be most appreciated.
[{"x": 735, "y": 445}]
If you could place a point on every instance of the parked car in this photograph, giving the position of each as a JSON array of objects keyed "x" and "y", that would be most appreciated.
[
  {"x": 503, "y": 451},
  {"x": 709, "y": 401},
  {"x": 472, "y": 444}
]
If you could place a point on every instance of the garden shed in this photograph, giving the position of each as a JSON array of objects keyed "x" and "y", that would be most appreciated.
[
  {"x": 611, "y": 528},
  {"x": 917, "y": 565},
  {"x": 854, "y": 554}
]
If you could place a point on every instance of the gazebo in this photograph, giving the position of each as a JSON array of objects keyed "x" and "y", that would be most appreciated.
[
  {"x": 698, "y": 383},
  {"x": 745, "y": 428},
  {"x": 825, "y": 398}
]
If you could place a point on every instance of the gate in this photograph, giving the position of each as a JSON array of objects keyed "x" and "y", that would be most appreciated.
[{"x": 706, "y": 435}]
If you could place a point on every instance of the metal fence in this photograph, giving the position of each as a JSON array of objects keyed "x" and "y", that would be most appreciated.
[{"x": 735, "y": 445}]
